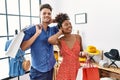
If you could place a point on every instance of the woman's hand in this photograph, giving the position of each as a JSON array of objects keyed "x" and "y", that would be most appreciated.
[
  {"x": 60, "y": 31},
  {"x": 82, "y": 54}
]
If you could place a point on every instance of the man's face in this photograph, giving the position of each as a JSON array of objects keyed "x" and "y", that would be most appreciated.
[{"x": 45, "y": 15}]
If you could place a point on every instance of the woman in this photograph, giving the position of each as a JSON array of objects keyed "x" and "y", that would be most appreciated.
[{"x": 70, "y": 46}]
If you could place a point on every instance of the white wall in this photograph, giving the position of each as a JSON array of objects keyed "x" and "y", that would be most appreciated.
[
  {"x": 54, "y": 5},
  {"x": 102, "y": 29}
]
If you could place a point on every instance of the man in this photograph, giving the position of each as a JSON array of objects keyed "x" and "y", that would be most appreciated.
[{"x": 36, "y": 38}]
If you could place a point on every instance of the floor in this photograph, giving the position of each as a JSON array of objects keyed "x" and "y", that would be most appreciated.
[{"x": 24, "y": 77}]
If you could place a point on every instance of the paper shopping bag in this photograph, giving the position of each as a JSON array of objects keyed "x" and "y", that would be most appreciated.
[
  {"x": 79, "y": 74},
  {"x": 91, "y": 73},
  {"x": 55, "y": 72},
  {"x": 15, "y": 45}
]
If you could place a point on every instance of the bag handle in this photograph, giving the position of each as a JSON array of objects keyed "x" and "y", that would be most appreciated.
[{"x": 88, "y": 63}]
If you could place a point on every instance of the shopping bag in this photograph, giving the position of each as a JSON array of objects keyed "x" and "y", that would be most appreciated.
[
  {"x": 91, "y": 73},
  {"x": 15, "y": 45},
  {"x": 56, "y": 67},
  {"x": 79, "y": 74}
]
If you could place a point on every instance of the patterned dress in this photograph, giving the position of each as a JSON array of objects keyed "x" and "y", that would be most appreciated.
[{"x": 69, "y": 67}]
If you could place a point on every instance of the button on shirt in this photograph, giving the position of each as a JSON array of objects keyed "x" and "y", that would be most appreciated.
[{"x": 41, "y": 51}]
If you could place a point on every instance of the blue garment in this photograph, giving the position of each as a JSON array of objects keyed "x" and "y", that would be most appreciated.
[
  {"x": 15, "y": 65},
  {"x": 41, "y": 51}
]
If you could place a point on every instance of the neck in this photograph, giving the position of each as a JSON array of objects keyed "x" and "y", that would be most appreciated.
[
  {"x": 45, "y": 25},
  {"x": 67, "y": 35}
]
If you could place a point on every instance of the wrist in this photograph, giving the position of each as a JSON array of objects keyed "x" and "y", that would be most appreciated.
[
  {"x": 80, "y": 53},
  {"x": 37, "y": 34},
  {"x": 59, "y": 33}
]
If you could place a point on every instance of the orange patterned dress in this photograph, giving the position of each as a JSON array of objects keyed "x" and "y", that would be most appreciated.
[{"x": 69, "y": 67}]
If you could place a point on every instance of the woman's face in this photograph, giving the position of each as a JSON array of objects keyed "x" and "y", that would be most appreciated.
[
  {"x": 45, "y": 15},
  {"x": 66, "y": 27}
]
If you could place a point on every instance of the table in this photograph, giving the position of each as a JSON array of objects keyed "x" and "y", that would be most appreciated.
[{"x": 109, "y": 72}]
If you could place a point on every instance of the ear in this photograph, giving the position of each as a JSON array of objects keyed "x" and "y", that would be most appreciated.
[{"x": 62, "y": 29}]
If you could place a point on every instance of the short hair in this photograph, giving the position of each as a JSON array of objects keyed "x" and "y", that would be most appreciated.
[
  {"x": 45, "y": 6},
  {"x": 60, "y": 18}
]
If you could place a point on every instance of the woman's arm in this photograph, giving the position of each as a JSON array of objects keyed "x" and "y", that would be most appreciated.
[
  {"x": 54, "y": 39},
  {"x": 81, "y": 46},
  {"x": 80, "y": 42},
  {"x": 82, "y": 53}
]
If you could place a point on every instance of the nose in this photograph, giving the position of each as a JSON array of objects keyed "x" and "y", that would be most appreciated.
[
  {"x": 47, "y": 14},
  {"x": 70, "y": 26}
]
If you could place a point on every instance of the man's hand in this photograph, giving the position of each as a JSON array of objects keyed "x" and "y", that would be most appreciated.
[{"x": 38, "y": 28}]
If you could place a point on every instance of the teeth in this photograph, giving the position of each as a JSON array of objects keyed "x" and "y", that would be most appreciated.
[{"x": 47, "y": 18}]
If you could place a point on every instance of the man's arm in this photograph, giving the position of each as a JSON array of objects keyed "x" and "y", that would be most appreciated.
[{"x": 26, "y": 44}]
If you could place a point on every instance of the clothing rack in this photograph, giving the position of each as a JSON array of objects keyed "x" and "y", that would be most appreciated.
[{"x": 7, "y": 78}]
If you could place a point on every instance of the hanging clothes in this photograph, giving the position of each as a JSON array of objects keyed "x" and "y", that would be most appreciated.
[{"x": 15, "y": 64}]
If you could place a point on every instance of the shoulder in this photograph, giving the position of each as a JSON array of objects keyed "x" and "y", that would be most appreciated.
[
  {"x": 29, "y": 29},
  {"x": 53, "y": 27},
  {"x": 78, "y": 37}
]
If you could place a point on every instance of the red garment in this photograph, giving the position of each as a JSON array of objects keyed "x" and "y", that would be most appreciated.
[{"x": 69, "y": 67}]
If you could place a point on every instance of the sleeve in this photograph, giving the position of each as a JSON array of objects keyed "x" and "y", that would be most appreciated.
[
  {"x": 7, "y": 44},
  {"x": 29, "y": 32},
  {"x": 55, "y": 29}
]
